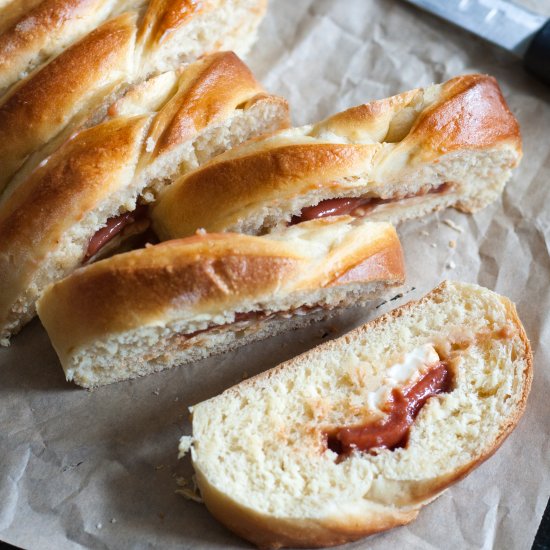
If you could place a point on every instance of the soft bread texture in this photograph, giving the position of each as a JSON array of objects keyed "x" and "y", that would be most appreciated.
[
  {"x": 182, "y": 300},
  {"x": 162, "y": 128},
  {"x": 259, "y": 451},
  {"x": 459, "y": 133},
  {"x": 73, "y": 88}
]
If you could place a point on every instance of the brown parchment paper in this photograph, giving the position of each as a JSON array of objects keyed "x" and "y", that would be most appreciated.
[{"x": 98, "y": 469}]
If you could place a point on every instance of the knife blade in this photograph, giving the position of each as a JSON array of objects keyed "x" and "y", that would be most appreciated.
[{"x": 514, "y": 28}]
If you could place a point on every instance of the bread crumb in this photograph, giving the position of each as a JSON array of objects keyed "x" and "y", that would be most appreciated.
[
  {"x": 188, "y": 492},
  {"x": 113, "y": 520},
  {"x": 453, "y": 225},
  {"x": 433, "y": 245},
  {"x": 452, "y": 244},
  {"x": 200, "y": 231},
  {"x": 451, "y": 265},
  {"x": 99, "y": 526},
  {"x": 425, "y": 233},
  {"x": 156, "y": 392},
  {"x": 185, "y": 444}
]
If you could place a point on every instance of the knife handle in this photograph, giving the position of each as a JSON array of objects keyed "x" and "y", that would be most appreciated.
[{"x": 537, "y": 57}]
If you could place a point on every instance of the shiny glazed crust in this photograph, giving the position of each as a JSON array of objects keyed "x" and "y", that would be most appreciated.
[
  {"x": 40, "y": 106},
  {"x": 468, "y": 112},
  {"x": 377, "y": 148},
  {"x": 101, "y": 170},
  {"x": 210, "y": 90},
  {"x": 210, "y": 273},
  {"x": 272, "y": 532}
]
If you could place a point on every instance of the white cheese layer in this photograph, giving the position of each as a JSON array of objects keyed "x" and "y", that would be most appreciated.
[{"x": 414, "y": 364}]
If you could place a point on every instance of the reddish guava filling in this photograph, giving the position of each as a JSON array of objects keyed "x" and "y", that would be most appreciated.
[
  {"x": 113, "y": 227},
  {"x": 358, "y": 207},
  {"x": 402, "y": 408}
]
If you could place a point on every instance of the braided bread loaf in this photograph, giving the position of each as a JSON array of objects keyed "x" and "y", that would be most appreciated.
[
  {"x": 183, "y": 300},
  {"x": 74, "y": 82},
  {"x": 447, "y": 145},
  {"x": 56, "y": 218}
]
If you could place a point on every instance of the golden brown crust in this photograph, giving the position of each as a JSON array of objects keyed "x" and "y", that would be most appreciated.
[
  {"x": 383, "y": 264},
  {"x": 470, "y": 112},
  {"x": 38, "y": 32},
  {"x": 201, "y": 274},
  {"x": 373, "y": 119},
  {"x": 472, "y": 115},
  {"x": 211, "y": 90},
  {"x": 58, "y": 195},
  {"x": 132, "y": 289},
  {"x": 12, "y": 10},
  {"x": 217, "y": 195},
  {"x": 273, "y": 532},
  {"x": 40, "y": 106},
  {"x": 392, "y": 138},
  {"x": 85, "y": 168},
  {"x": 163, "y": 17},
  {"x": 71, "y": 90}
]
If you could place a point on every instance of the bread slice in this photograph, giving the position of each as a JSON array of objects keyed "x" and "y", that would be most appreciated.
[
  {"x": 163, "y": 128},
  {"x": 452, "y": 144},
  {"x": 271, "y": 456},
  {"x": 73, "y": 89},
  {"x": 180, "y": 301}
]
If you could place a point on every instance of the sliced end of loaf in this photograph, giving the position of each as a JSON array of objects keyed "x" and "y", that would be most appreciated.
[
  {"x": 259, "y": 449},
  {"x": 163, "y": 305}
]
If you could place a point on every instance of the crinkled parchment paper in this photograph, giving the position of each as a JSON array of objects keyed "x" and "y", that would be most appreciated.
[{"x": 98, "y": 469}]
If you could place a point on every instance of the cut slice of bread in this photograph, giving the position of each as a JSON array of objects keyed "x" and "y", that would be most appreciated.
[
  {"x": 452, "y": 144},
  {"x": 179, "y": 301},
  {"x": 163, "y": 128},
  {"x": 264, "y": 453}
]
